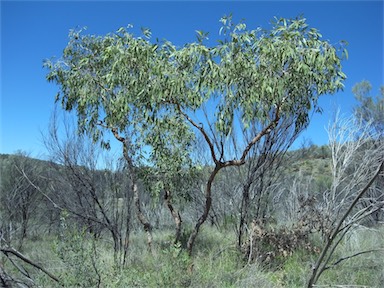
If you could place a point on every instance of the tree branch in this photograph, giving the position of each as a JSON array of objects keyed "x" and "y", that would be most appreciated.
[
  {"x": 38, "y": 189},
  {"x": 201, "y": 129},
  {"x": 6, "y": 251},
  {"x": 255, "y": 139},
  {"x": 317, "y": 271},
  {"x": 351, "y": 256}
]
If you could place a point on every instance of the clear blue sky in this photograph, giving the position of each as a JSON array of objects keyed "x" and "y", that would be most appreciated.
[{"x": 34, "y": 31}]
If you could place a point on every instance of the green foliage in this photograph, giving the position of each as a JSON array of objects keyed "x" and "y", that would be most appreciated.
[
  {"x": 253, "y": 78},
  {"x": 286, "y": 68},
  {"x": 174, "y": 255},
  {"x": 127, "y": 82},
  {"x": 112, "y": 83}
]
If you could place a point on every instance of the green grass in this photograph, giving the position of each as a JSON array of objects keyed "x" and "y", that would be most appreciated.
[{"x": 216, "y": 262}]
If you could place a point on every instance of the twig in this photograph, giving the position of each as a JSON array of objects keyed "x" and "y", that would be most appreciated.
[{"x": 38, "y": 189}]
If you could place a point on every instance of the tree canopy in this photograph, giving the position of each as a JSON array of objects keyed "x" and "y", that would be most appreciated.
[{"x": 149, "y": 88}]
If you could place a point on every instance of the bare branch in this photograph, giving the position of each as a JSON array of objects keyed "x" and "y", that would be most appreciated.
[
  {"x": 38, "y": 189},
  {"x": 7, "y": 251},
  {"x": 203, "y": 132},
  {"x": 351, "y": 256},
  {"x": 257, "y": 138},
  {"x": 317, "y": 271}
]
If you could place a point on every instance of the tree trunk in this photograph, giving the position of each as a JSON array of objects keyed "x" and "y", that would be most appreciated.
[
  {"x": 140, "y": 215},
  {"x": 243, "y": 213},
  {"x": 127, "y": 228},
  {"x": 175, "y": 215},
  {"x": 136, "y": 199},
  {"x": 207, "y": 207}
]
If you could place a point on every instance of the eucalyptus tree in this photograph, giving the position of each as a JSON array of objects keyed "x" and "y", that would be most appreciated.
[
  {"x": 162, "y": 96},
  {"x": 370, "y": 108},
  {"x": 259, "y": 80},
  {"x": 115, "y": 83}
]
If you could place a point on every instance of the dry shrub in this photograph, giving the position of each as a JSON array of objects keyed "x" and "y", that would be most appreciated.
[
  {"x": 314, "y": 217},
  {"x": 266, "y": 243}
]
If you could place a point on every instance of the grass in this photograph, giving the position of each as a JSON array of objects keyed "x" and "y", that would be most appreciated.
[
  {"x": 216, "y": 263},
  {"x": 366, "y": 270}
]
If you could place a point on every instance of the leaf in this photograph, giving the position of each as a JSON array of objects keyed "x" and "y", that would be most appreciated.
[
  {"x": 345, "y": 53},
  {"x": 146, "y": 32},
  {"x": 121, "y": 30}
]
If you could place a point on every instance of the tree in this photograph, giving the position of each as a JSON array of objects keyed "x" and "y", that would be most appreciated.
[
  {"x": 95, "y": 199},
  {"x": 357, "y": 165},
  {"x": 160, "y": 95},
  {"x": 260, "y": 177},
  {"x": 370, "y": 109}
]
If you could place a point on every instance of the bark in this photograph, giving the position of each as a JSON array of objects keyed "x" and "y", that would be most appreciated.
[
  {"x": 207, "y": 207},
  {"x": 243, "y": 213},
  {"x": 175, "y": 215},
  {"x": 127, "y": 229},
  {"x": 140, "y": 215}
]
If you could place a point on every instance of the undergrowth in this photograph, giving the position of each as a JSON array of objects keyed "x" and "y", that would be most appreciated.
[{"x": 80, "y": 261}]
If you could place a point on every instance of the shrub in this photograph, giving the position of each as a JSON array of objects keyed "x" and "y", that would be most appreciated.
[{"x": 268, "y": 245}]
